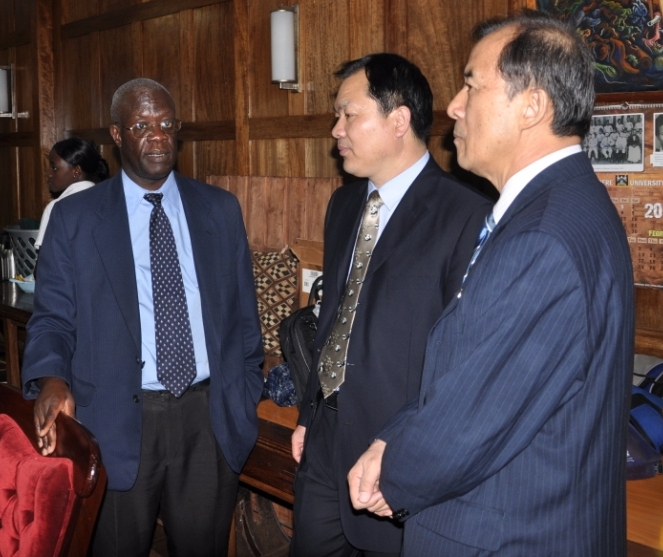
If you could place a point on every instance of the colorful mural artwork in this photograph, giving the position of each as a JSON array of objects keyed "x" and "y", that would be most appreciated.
[{"x": 625, "y": 37}]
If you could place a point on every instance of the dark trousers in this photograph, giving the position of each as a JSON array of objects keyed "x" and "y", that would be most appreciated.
[
  {"x": 318, "y": 531},
  {"x": 183, "y": 477}
]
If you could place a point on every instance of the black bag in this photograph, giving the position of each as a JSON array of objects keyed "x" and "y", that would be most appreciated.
[
  {"x": 645, "y": 430},
  {"x": 297, "y": 333}
]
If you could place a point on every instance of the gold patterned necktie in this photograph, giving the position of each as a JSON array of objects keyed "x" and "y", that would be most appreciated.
[{"x": 331, "y": 369}]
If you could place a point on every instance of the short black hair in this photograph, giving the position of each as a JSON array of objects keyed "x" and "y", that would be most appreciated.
[
  {"x": 83, "y": 153},
  {"x": 548, "y": 53},
  {"x": 394, "y": 81}
]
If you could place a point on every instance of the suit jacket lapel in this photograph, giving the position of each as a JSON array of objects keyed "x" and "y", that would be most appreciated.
[
  {"x": 347, "y": 235},
  {"x": 572, "y": 165},
  {"x": 406, "y": 218},
  {"x": 113, "y": 241},
  {"x": 197, "y": 212}
]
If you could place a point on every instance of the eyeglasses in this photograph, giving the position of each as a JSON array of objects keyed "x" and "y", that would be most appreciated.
[{"x": 143, "y": 129}]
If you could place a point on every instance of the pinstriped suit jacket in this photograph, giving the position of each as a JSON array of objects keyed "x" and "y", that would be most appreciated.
[{"x": 517, "y": 444}]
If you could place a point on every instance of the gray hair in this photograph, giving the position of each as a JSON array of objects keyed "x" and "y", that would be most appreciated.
[
  {"x": 549, "y": 54},
  {"x": 130, "y": 87}
]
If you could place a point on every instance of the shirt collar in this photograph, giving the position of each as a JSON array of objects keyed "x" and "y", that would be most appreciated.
[
  {"x": 134, "y": 193},
  {"x": 520, "y": 179},
  {"x": 392, "y": 192}
]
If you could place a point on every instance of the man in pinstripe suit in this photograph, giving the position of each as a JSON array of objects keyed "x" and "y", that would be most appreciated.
[{"x": 516, "y": 445}]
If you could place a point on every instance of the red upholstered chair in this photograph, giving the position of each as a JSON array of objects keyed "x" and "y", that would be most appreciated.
[{"x": 48, "y": 505}]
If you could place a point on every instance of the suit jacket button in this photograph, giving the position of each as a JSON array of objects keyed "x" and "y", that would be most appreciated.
[
  {"x": 402, "y": 513},
  {"x": 136, "y": 398}
]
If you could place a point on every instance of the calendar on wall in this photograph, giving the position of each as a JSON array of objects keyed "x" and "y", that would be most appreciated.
[{"x": 625, "y": 147}]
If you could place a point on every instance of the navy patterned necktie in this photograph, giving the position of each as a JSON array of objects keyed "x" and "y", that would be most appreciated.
[
  {"x": 176, "y": 362},
  {"x": 488, "y": 226},
  {"x": 331, "y": 369}
]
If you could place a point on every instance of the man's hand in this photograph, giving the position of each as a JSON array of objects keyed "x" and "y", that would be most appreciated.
[
  {"x": 54, "y": 397},
  {"x": 364, "y": 481},
  {"x": 297, "y": 441}
]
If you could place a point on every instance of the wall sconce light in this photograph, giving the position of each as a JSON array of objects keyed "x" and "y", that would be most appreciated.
[
  {"x": 285, "y": 47},
  {"x": 8, "y": 93}
]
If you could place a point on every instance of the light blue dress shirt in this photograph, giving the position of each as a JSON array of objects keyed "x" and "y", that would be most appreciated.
[
  {"x": 139, "y": 211},
  {"x": 393, "y": 191}
]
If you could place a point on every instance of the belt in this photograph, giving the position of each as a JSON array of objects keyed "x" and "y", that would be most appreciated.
[
  {"x": 195, "y": 387},
  {"x": 331, "y": 401}
]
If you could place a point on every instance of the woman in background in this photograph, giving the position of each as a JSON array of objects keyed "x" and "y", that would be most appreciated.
[{"x": 75, "y": 166}]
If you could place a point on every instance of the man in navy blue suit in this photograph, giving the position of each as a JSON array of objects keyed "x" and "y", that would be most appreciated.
[
  {"x": 424, "y": 239},
  {"x": 172, "y": 445},
  {"x": 516, "y": 444}
]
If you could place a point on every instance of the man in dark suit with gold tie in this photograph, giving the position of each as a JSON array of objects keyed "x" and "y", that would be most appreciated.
[{"x": 396, "y": 247}]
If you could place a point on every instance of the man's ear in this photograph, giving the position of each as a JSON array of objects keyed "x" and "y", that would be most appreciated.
[
  {"x": 115, "y": 134},
  {"x": 537, "y": 108},
  {"x": 402, "y": 117}
]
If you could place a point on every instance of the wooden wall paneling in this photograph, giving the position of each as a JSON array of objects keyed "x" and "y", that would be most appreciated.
[
  {"x": 366, "y": 24},
  {"x": 327, "y": 45},
  {"x": 281, "y": 127},
  {"x": 7, "y": 18},
  {"x": 188, "y": 57},
  {"x": 186, "y": 163},
  {"x": 295, "y": 210},
  {"x": 269, "y": 157},
  {"x": 316, "y": 197},
  {"x": 58, "y": 105},
  {"x": 127, "y": 12},
  {"x": 30, "y": 205},
  {"x": 10, "y": 195},
  {"x": 296, "y": 162},
  {"x": 316, "y": 157},
  {"x": 80, "y": 95},
  {"x": 241, "y": 53},
  {"x": 187, "y": 157},
  {"x": 239, "y": 186},
  {"x": 264, "y": 97},
  {"x": 396, "y": 26},
  {"x": 43, "y": 100},
  {"x": 114, "y": 5},
  {"x": 255, "y": 211},
  {"x": 73, "y": 10},
  {"x": 273, "y": 219},
  {"x": 24, "y": 11},
  {"x": 213, "y": 63},
  {"x": 307, "y": 207},
  {"x": 278, "y": 210},
  {"x": 120, "y": 59},
  {"x": 222, "y": 182},
  {"x": 649, "y": 321},
  {"x": 322, "y": 158},
  {"x": 215, "y": 158},
  {"x": 161, "y": 53},
  {"x": 440, "y": 45}
]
